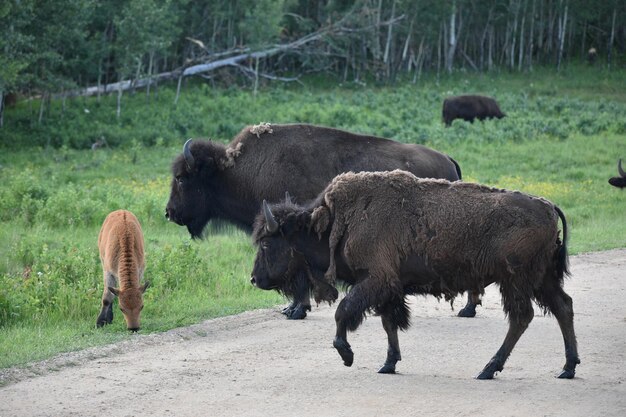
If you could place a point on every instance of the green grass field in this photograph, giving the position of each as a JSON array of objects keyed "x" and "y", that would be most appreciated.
[{"x": 561, "y": 140}]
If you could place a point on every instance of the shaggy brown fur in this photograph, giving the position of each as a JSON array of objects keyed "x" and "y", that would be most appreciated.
[
  {"x": 469, "y": 108},
  {"x": 391, "y": 234},
  {"x": 230, "y": 182},
  {"x": 121, "y": 251}
]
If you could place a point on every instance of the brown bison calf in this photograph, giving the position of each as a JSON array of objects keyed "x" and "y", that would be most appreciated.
[
  {"x": 390, "y": 234},
  {"x": 619, "y": 182},
  {"x": 121, "y": 252},
  {"x": 469, "y": 108}
]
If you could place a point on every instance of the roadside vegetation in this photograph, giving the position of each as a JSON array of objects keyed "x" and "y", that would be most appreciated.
[{"x": 561, "y": 140}]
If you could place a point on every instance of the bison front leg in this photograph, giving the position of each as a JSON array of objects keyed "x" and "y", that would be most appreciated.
[
  {"x": 301, "y": 303},
  {"x": 106, "y": 311},
  {"x": 473, "y": 299},
  {"x": 351, "y": 312}
]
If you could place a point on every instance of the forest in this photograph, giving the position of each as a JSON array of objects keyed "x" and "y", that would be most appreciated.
[{"x": 63, "y": 48}]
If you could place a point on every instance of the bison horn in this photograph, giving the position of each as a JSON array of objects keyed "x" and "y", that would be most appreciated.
[
  {"x": 187, "y": 155},
  {"x": 270, "y": 222},
  {"x": 620, "y": 170},
  {"x": 288, "y": 198}
]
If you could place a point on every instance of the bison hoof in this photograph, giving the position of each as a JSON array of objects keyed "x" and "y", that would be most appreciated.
[
  {"x": 387, "y": 369},
  {"x": 467, "y": 311},
  {"x": 344, "y": 350},
  {"x": 489, "y": 371},
  {"x": 100, "y": 323},
  {"x": 567, "y": 374},
  {"x": 298, "y": 313},
  {"x": 289, "y": 309}
]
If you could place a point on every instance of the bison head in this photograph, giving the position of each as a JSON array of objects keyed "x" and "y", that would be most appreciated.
[
  {"x": 193, "y": 188},
  {"x": 619, "y": 182},
  {"x": 287, "y": 248},
  {"x": 131, "y": 304}
]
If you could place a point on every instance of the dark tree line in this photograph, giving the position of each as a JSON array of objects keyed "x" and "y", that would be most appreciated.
[{"x": 54, "y": 47}]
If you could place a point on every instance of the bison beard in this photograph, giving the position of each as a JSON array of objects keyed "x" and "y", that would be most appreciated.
[{"x": 391, "y": 234}]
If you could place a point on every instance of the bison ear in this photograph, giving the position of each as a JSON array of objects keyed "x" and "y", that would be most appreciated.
[
  {"x": 320, "y": 219},
  {"x": 115, "y": 291},
  {"x": 145, "y": 286}
]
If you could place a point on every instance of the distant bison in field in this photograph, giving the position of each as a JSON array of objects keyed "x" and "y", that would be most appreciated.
[
  {"x": 121, "y": 251},
  {"x": 213, "y": 181},
  {"x": 619, "y": 182},
  {"x": 391, "y": 234},
  {"x": 469, "y": 108},
  {"x": 592, "y": 54}
]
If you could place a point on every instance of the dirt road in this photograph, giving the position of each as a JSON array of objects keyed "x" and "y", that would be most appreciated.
[{"x": 259, "y": 364}]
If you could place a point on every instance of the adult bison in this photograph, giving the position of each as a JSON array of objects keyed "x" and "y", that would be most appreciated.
[
  {"x": 390, "y": 234},
  {"x": 619, "y": 182},
  {"x": 213, "y": 181},
  {"x": 469, "y": 108}
]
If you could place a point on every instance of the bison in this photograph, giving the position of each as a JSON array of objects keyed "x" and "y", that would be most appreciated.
[
  {"x": 619, "y": 182},
  {"x": 213, "y": 181},
  {"x": 469, "y": 108},
  {"x": 390, "y": 234},
  {"x": 121, "y": 252}
]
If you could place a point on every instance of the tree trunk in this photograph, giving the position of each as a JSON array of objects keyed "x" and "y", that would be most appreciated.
[
  {"x": 513, "y": 37},
  {"x": 150, "y": 62},
  {"x": 119, "y": 99},
  {"x": 180, "y": 81},
  {"x": 582, "y": 47},
  {"x": 389, "y": 34},
  {"x": 1, "y": 108},
  {"x": 531, "y": 35},
  {"x": 562, "y": 28},
  {"x": 42, "y": 106},
  {"x": 490, "y": 52},
  {"x": 452, "y": 40},
  {"x": 521, "y": 40},
  {"x": 611, "y": 39}
]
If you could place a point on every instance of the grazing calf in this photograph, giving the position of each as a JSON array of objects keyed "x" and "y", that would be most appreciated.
[
  {"x": 469, "y": 108},
  {"x": 619, "y": 182},
  {"x": 390, "y": 234},
  {"x": 121, "y": 252}
]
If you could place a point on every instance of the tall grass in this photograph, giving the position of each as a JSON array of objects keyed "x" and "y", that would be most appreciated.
[{"x": 561, "y": 140}]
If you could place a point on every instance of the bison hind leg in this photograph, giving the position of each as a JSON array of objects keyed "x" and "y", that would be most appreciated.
[
  {"x": 520, "y": 311},
  {"x": 554, "y": 300},
  {"x": 394, "y": 315},
  {"x": 344, "y": 350},
  {"x": 473, "y": 299}
]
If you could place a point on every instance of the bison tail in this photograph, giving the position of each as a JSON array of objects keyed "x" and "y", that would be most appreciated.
[
  {"x": 562, "y": 258},
  {"x": 458, "y": 168}
]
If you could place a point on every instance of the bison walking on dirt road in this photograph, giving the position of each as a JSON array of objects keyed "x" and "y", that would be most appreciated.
[
  {"x": 213, "y": 181},
  {"x": 469, "y": 108},
  {"x": 390, "y": 234}
]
